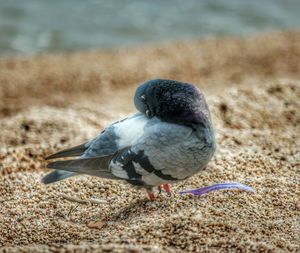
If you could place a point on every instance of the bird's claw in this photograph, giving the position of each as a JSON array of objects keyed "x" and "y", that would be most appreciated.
[
  {"x": 151, "y": 196},
  {"x": 167, "y": 189}
]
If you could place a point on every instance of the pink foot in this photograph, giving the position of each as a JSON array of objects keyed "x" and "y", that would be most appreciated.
[
  {"x": 151, "y": 196},
  {"x": 167, "y": 188}
]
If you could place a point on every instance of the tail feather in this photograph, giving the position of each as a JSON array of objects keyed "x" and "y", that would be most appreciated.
[
  {"x": 95, "y": 166},
  {"x": 57, "y": 176},
  {"x": 75, "y": 151}
]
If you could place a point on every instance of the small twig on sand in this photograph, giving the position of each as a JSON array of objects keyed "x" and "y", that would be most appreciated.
[
  {"x": 72, "y": 209},
  {"x": 93, "y": 224},
  {"x": 82, "y": 201}
]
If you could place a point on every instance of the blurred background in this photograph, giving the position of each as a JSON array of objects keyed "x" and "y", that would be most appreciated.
[{"x": 41, "y": 26}]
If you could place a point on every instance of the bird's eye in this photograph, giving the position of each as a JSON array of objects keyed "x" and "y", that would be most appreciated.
[{"x": 143, "y": 97}]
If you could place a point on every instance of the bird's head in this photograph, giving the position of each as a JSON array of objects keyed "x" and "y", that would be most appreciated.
[{"x": 172, "y": 101}]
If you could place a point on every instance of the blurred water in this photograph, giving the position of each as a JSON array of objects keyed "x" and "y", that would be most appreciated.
[{"x": 35, "y": 26}]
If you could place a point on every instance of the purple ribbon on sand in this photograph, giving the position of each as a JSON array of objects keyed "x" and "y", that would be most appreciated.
[{"x": 215, "y": 187}]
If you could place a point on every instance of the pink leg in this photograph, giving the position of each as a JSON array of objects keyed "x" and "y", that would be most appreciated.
[
  {"x": 151, "y": 196},
  {"x": 167, "y": 188}
]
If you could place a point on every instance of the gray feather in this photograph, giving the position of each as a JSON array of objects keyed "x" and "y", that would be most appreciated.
[
  {"x": 103, "y": 145},
  {"x": 95, "y": 166},
  {"x": 57, "y": 176},
  {"x": 75, "y": 151}
]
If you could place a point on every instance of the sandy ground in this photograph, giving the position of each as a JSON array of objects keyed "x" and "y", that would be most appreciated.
[{"x": 52, "y": 102}]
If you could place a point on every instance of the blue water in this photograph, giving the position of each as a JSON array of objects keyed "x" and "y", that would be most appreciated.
[{"x": 37, "y": 26}]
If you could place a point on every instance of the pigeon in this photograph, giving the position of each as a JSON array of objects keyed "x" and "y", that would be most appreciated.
[{"x": 169, "y": 139}]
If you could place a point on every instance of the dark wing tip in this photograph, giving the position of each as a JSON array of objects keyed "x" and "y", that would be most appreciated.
[
  {"x": 57, "y": 155},
  {"x": 50, "y": 157},
  {"x": 75, "y": 151}
]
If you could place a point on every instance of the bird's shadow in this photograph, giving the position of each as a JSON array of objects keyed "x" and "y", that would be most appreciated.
[
  {"x": 125, "y": 212},
  {"x": 132, "y": 210}
]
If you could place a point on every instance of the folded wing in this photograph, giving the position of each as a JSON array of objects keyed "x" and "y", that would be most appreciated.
[
  {"x": 94, "y": 156},
  {"x": 158, "y": 157}
]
